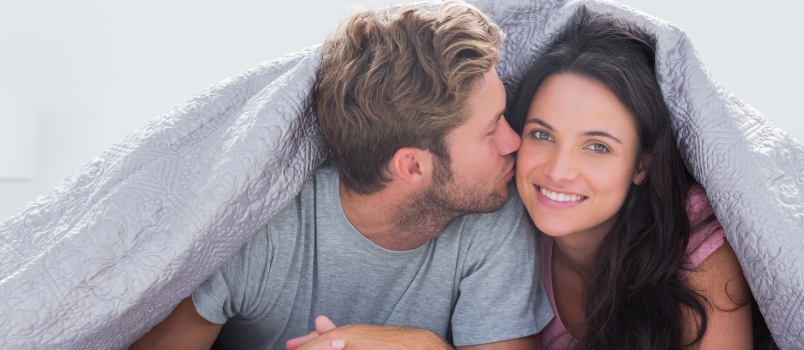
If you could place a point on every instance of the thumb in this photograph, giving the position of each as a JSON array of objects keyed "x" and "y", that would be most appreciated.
[{"x": 323, "y": 324}]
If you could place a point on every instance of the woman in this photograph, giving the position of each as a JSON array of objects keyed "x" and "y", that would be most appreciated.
[{"x": 631, "y": 255}]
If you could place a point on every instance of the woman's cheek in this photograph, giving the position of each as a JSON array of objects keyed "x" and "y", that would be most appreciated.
[{"x": 608, "y": 175}]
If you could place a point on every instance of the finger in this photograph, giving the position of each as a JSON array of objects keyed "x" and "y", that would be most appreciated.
[
  {"x": 297, "y": 342},
  {"x": 334, "y": 344},
  {"x": 323, "y": 324},
  {"x": 338, "y": 344}
]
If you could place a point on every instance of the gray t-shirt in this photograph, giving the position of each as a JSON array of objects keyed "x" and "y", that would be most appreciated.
[{"x": 476, "y": 283}]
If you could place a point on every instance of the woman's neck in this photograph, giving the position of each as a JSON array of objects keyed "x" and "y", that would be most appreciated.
[{"x": 576, "y": 251}]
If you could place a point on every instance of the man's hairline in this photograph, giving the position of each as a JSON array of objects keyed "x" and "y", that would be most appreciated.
[{"x": 481, "y": 86}]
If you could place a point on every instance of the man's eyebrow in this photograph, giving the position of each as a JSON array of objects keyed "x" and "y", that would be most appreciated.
[
  {"x": 497, "y": 120},
  {"x": 602, "y": 134},
  {"x": 540, "y": 122}
]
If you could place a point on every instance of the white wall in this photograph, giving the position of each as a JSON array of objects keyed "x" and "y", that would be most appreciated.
[
  {"x": 754, "y": 48},
  {"x": 101, "y": 69}
]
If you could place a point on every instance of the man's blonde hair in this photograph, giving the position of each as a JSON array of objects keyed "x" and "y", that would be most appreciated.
[{"x": 400, "y": 77}]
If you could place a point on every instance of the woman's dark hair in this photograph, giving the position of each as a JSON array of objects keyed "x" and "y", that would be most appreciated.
[{"x": 634, "y": 296}]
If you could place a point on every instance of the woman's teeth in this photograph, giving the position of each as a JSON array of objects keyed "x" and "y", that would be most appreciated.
[{"x": 560, "y": 197}]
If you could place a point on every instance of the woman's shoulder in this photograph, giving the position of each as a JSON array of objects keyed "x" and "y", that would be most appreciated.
[
  {"x": 706, "y": 234},
  {"x": 710, "y": 257},
  {"x": 698, "y": 206},
  {"x": 717, "y": 276},
  {"x": 716, "y": 269},
  {"x": 720, "y": 280}
]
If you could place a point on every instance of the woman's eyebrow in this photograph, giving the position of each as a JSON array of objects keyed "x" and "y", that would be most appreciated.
[
  {"x": 602, "y": 134},
  {"x": 540, "y": 122}
]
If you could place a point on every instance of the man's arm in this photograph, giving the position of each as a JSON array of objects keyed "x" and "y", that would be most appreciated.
[
  {"x": 526, "y": 343},
  {"x": 184, "y": 328},
  {"x": 385, "y": 337}
]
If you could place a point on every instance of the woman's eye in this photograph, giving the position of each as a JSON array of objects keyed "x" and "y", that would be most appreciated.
[
  {"x": 541, "y": 135},
  {"x": 599, "y": 148}
]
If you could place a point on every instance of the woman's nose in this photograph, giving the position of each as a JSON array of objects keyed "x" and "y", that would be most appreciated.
[{"x": 561, "y": 166}]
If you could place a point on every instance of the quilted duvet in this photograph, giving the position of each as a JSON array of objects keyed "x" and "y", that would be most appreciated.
[{"x": 111, "y": 250}]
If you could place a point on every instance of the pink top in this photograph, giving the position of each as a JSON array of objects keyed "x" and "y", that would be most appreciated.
[{"x": 701, "y": 244}]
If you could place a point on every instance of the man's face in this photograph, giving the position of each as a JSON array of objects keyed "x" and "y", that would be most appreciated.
[{"x": 480, "y": 150}]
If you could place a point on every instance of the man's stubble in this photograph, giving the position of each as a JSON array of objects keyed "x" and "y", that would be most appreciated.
[{"x": 430, "y": 211}]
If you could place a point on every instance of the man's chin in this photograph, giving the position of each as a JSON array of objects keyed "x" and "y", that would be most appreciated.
[
  {"x": 505, "y": 190},
  {"x": 495, "y": 201}
]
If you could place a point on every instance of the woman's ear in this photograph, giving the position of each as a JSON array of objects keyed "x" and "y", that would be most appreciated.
[{"x": 643, "y": 165}]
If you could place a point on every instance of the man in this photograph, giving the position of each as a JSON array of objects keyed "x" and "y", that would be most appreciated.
[{"x": 411, "y": 229}]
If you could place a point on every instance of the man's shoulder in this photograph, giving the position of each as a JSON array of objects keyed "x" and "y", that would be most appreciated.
[
  {"x": 317, "y": 185},
  {"x": 311, "y": 202},
  {"x": 321, "y": 176},
  {"x": 327, "y": 169},
  {"x": 297, "y": 218}
]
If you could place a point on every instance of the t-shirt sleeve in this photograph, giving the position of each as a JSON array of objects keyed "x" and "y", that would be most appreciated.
[
  {"x": 230, "y": 291},
  {"x": 501, "y": 296}
]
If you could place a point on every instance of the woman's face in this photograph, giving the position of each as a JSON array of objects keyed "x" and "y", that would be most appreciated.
[{"x": 578, "y": 156}]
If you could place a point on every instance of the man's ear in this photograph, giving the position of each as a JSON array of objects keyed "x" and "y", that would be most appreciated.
[
  {"x": 411, "y": 165},
  {"x": 643, "y": 165}
]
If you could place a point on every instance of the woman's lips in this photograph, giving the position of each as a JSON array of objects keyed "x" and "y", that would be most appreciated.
[{"x": 558, "y": 200}]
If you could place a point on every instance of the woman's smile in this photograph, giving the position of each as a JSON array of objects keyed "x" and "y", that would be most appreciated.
[{"x": 558, "y": 200}]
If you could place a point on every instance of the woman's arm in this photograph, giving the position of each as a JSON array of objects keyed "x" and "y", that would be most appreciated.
[{"x": 719, "y": 278}]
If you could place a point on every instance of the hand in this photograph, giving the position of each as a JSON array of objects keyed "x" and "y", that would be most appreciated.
[
  {"x": 364, "y": 336},
  {"x": 322, "y": 325}
]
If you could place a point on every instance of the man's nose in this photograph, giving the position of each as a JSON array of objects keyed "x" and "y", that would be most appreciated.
[{"x": 509, "y": 140}]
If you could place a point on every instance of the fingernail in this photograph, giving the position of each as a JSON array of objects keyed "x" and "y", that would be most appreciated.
[{"x": 339, "y": 343}]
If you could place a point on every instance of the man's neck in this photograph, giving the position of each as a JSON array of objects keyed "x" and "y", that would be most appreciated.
[{"x": 391, "y": 221}]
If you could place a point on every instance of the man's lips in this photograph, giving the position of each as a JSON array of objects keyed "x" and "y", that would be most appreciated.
[
  {"x": 511, "y": 170},
  {"x": 510, "y": 174}
]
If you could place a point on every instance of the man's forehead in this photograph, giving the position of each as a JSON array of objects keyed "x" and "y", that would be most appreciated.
[
  {"x": 489, "y": 90},
  {"x": 482, "y": 82},
  {"x": 487, "y": 103}
]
